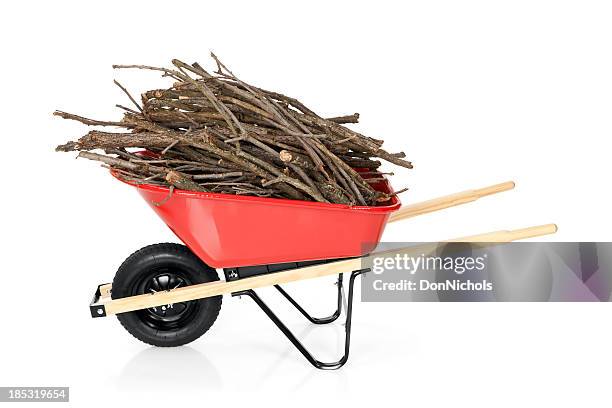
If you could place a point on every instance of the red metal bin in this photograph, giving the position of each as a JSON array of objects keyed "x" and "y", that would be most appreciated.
[{"x": 230, "y": 231}]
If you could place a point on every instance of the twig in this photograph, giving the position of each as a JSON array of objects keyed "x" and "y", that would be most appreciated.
[
  {"x": 216, "y": 133},
  {"x": 128, "y": 95},
  {"x": 165, "y": 199}
]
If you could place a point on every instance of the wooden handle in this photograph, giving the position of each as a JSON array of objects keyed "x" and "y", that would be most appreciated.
[
  {"x": 452, "y": 200},
  {"x": 492, "y": 237},
  {"x": 203, "y": 290},
  {"x": 509, "y": 236}
]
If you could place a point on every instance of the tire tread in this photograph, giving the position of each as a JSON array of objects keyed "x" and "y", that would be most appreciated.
[{"x": 181, "y": 250}]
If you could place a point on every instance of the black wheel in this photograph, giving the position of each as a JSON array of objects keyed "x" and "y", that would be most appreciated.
[{"x": 161, "y": 267}]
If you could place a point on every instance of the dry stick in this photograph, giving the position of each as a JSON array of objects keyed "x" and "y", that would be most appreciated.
[
  {"x": 221, "y": 108},
  {"x": 393, "y": 194},
  {"x": 254, "y": 132},
  {"x": 273, "y": 142},
  {"x": 353, "y": 178},
  {"x": 297, "y": 159},
  {"x": 346, "y": 139},
  {"x": 349, "y": 181},
  {"x": 268, "y": 106},
  {"x": 197, "y": 155},
  {"x": 251, "y": 165},
  {"x": 170, "y": 146},
  {"x": 182, "y": 182},
  {"x": 367, "y": 143},
  {"x": 304, "y": 143},
  {"x": 129, "y": 96},
  {"x": 313, "y": 190},
  {"x": 173, "y": 177},
  {"x": 238, "y": 106},
  {"x": 376, "y": 173},
  {"x": 141, "y": 159},
  {"x": 314, "y": 193},
  {"x": 266, "y": 114},
  {"x": 262, "y": 103},
  {"x": 166, "y": 198},
  {"x": 217, "y": 176},
  {"x": 226, "y": 114},
  {"x": 102, "y": 140},
  {"x": 365, "y": 163},
  {"x": 165, "y": 70},
  {"x": 125, "y": 108},
  {"x": 335, "y": 194},
  {"x": 344, "y": 181},
  {"x": 158, "y": 104},
  {"x": 362, "y": 155},
  {"x": 291, "y": 101},
  {"x": 111, "y": 161},
  {"x": 123, "y": 153},
  {"x": 115, "y": 162},
  {"x": 308, "y": 147},
  {"x": 360, "y": 140},
  {"x": 276, "y": 112},
  {"x": 293, "y": 167},
  {"x": 197, "y": 69},
  {"x": 189, "y": 117},
  {"x": 246, "y": 106},
  {"x": 123, "y": 172},
  {"x": 304, "y": 162},
  {"x": 304, "y": 176},
  {"x": 341, "y": 177},
  {"x": 87, "y": 121},
  {"x": 354, "y": 118}
]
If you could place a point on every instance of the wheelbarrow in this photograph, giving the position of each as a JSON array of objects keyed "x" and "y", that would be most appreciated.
[{"x": 169, "y": 295}]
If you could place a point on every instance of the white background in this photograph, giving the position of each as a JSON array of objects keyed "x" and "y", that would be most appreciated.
[{"x": 475, "y": 92}]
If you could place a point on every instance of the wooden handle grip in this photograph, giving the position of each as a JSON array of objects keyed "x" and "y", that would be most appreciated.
[
  {"x": 451, "y": 200},
  {"x": 509, "y": 236}
]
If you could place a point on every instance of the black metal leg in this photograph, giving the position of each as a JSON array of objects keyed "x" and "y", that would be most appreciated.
[
  {"x": 317, "y": 320},
  {"x": 347, "y": 327}
]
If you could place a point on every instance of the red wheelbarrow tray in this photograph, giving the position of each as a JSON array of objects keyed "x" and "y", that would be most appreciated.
[{"x": 226, "y": 230}]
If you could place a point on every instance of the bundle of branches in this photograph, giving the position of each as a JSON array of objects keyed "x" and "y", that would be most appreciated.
[{"x": 212, "y": 132}]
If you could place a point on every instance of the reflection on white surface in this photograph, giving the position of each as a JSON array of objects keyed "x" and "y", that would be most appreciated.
[
  {"x": 181, "y": 368},
  {"x": 290, "y": 352}
]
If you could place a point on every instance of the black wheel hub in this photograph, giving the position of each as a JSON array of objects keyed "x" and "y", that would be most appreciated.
[{"x": 170, "y": 316}]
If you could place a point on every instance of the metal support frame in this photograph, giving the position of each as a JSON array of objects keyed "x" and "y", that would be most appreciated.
[
  {"x": 293, "y": 339},
  {"x": 317, "y": 320}
]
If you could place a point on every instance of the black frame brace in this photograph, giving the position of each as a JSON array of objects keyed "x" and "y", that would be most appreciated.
[
  {"x": 95, "y": 309},
  {"x": 325, "y": 320}
]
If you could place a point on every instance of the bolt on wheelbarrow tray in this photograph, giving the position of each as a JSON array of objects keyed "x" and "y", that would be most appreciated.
[{"x": 226, "y": 230}]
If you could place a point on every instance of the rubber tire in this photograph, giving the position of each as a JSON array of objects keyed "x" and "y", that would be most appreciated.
[{"x": 145, "y": 262}]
